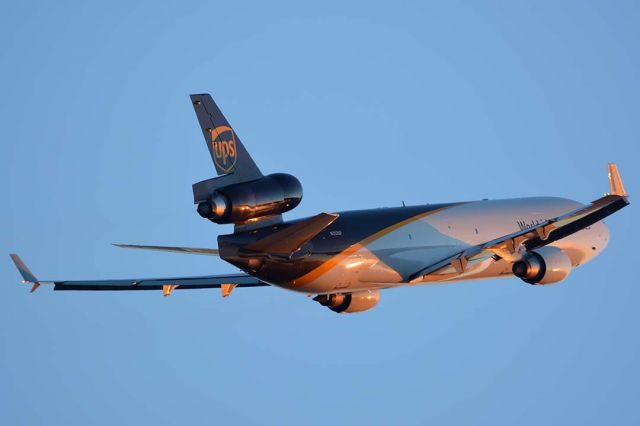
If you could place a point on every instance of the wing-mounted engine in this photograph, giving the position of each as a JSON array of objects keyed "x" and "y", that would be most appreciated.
[
  {"x": 546, "y": 265},
  {"x": 240, "y": 202},
  {"x": 348, "y": 303}
]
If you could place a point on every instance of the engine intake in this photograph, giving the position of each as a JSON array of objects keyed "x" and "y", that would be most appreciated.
[
  {"x": 546, "y": 265},
  {"x": 348, "y": 303},
  {"x": 269, "y": 195}
]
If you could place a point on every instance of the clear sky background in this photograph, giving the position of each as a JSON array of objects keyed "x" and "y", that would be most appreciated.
[{"x": 367, "y": 104}]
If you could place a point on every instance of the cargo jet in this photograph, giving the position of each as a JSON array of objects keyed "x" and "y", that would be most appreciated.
[{"x": 345, "y": 259}]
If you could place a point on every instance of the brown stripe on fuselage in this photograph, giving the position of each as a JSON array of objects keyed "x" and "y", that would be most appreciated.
[{"x": 335, "y": 260}]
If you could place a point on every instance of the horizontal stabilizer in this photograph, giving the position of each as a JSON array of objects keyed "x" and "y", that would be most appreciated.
[
  {"x": 288, "y": 240},
  {"x": 186, "y": 250}
]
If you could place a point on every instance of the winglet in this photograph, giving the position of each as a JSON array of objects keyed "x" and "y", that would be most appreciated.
[
  {"x": 27, "y": 275},
  {"x": 615, "y": 181}
]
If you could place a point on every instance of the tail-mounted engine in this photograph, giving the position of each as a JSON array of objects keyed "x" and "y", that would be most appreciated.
[
  {"x": 546, "y": 265},
  {"x": 240, "y": 193},
  {"x": 239, "y": 202},
  {"x": 348, "y": 303}
]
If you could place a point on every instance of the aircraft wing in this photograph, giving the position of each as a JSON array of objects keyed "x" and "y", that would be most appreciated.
[
  {"x": 167, "y": 285},
  {"x": 513, "y": 246}
]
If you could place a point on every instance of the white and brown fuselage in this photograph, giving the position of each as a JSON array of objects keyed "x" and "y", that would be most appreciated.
[{"x": 381, "y": 248}]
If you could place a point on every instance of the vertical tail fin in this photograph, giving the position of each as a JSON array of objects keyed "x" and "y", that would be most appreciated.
[{"x": 227, "y": 152}]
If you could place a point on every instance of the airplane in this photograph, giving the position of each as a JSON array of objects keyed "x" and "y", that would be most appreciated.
[{"x": 345, "y": 259}]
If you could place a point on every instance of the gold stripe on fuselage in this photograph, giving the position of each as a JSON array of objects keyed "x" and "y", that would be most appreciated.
[{"x": 335, "y": 260}]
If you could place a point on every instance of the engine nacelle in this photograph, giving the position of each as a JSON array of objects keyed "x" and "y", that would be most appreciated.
[
  {"x": 269, "y": 195},
  {"x": 349, "y": 303},
  {"x": 546, "y": 265}
]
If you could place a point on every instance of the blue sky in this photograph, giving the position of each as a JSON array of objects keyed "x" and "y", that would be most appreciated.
[{"x": 368, "y": 104}]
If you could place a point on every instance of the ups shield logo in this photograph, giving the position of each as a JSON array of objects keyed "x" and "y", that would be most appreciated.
[{"x": 223, "y": 147}]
